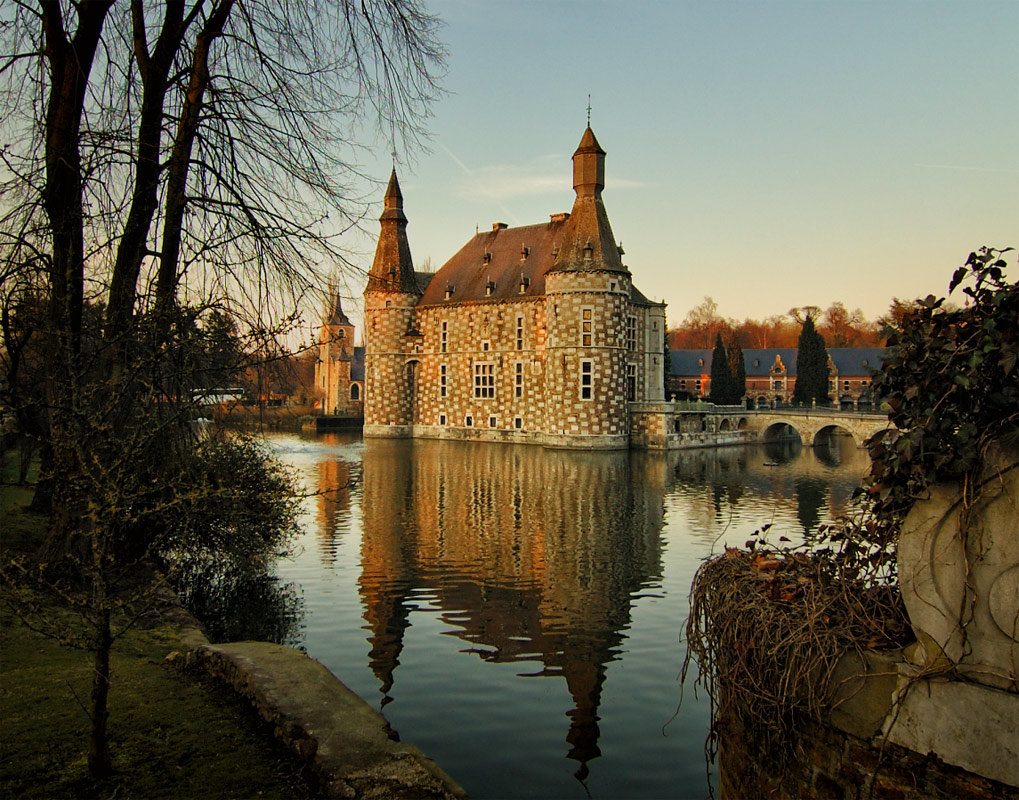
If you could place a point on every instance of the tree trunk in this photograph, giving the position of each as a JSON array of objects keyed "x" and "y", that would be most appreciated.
[{"x": 99, "y": 766}]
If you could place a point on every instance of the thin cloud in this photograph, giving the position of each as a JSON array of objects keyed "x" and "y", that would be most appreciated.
[{"x": 479, "y": 185}]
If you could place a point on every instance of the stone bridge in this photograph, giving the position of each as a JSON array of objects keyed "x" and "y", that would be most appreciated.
[{"x": 810, "y": 423}]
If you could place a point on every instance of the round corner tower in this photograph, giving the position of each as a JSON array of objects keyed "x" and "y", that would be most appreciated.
[
  {"x": 586, "y": 297},
  {"x": 390, "y": 301}
]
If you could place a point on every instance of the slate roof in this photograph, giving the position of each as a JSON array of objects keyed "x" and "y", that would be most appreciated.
[
  {"x": 758, "y": 362},
  {"x": 493, "y": 264},
  {"x": 503, "y": 256}
]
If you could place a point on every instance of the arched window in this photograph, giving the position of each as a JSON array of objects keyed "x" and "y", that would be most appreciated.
[{"x": 355, "y": 391}]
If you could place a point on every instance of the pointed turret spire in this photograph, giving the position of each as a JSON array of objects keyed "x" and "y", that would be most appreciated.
[
  {"x": 393, "y": 268},
  {"x": 334, "y": 308},
  {"x": 588, "y": 243}
]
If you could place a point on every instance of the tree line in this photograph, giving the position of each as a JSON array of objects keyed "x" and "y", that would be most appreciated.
[
  {"x": 729, "y": 375},
  {"x": 839, "y": 327}
]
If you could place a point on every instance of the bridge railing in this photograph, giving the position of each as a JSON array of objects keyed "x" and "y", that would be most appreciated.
[{"x": 822, "y": 411}]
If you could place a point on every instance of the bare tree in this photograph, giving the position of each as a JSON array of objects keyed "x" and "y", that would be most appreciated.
[{"x": 173, "y": 153}]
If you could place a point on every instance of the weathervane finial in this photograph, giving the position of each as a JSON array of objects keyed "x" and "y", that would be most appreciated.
[{"x": 589, "y": 111}]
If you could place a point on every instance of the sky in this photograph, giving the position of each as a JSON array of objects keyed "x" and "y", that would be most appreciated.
[{"x": 766, "y": 153}]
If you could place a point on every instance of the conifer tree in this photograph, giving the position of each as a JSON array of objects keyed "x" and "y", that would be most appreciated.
[
  {"x": 738, "y": 372},
  {"x": 721, "y": 377},
  {"x": 812, "y": 371}
]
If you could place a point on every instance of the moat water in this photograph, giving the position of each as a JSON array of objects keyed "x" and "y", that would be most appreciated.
[{"x": 518, "y": 613}]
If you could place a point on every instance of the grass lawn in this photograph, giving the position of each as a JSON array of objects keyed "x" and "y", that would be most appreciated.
[{"x": 172, "y": 735}]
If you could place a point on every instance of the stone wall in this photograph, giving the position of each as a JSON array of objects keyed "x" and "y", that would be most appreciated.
[{"x": 829, "y": 764}]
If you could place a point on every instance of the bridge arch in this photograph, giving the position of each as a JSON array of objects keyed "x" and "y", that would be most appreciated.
[
  {"x": 834, "y": 429},
  {"x": 779, "y": 430}
]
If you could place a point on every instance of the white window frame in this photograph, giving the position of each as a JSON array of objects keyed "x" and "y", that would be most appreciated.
[
  {"x": 520, "y": 332},
  {"x": 631, "y": 382},
  {"x": 444, "y": 337},
  {"x": 586, "y": 326},
  {"x": 484, "y": 380},
  {"x": 631, "y": 333},
  {"x": 518, "y": 379},
  {"x": 586, "y": 387},
  {"x": 442, "y": 380}
]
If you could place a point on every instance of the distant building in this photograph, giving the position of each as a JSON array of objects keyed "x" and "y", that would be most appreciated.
[
  {"x": 529, "y": 334},
  {"x": 771, "y": 374},
  {"x": 339, "y": 371}
]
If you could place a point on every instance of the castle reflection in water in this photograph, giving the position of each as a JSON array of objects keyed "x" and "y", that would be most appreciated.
[{"x": 537, "y": 556}]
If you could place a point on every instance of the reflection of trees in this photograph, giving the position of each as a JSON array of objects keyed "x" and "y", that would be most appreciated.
[
  {"x": 811, "y": 496},
  {"x": 531, "y": 556},
  {"x": 237, "y": 603}
]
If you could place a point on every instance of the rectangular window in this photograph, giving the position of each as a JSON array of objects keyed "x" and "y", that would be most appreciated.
[
  {"x": 631, "y": 382},
  {"x": 778, "y": 386},
  {"x": 442, "y": 380},
  {"x": 442, "y": 419},
  {"x": 631, "y": 334},
  {"x": 486, "y": 345},
  {"x": 484, "y": 380},
  {"x": 444, "y": 337},
  {"x": 518, "y": 379},
  {"x": 469, "y": 421},
  {"x": 846, "y": 385},
  {"x": 586, "y": 326},
  {"x": 518, "y": 423},
  {"x": 586, "y": 379},
  {"x": 520, "y": 333},
  {"x": 491, "y": 422}
]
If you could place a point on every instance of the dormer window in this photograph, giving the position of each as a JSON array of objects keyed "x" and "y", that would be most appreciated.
[
  {"x": 525, "y": 251},
  {"x": 524, "y": 283},
  {"x": 487, "y": 258},
  {"x": 489, "y": 288},
  {"x": 588, "y": 251},
  {"x": 449, "y": 291}
]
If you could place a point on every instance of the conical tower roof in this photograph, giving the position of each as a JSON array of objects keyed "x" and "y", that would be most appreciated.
[
  {"x": 334, "y": 309},
  {"x": 393, "y": 269},
  {"x": 588, "y": 243}
]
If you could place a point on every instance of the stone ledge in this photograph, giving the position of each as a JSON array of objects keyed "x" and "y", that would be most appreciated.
[{"x": 349, "y": 746}]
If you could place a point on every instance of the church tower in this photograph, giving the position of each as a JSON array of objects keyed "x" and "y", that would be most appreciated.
[
  {"x": 335, "y": 353},
  {"x": 390, "y": 336},
  {"x": 587, "y": 291}
]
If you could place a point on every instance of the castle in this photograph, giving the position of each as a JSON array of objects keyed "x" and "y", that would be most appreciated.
[{"x": 531, "y": 334}]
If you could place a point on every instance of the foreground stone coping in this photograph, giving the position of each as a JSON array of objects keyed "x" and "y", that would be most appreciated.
[{"x": 350, "y": 746}]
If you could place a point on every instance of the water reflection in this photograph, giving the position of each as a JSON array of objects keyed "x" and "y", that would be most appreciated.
[
  {"x": 239, "y": 603},
  {"x": 528, "y": 555},
  {"x": 544, "y": 561}
]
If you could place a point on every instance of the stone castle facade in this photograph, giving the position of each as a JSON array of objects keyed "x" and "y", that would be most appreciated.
[{"x": 530, "y": 334}]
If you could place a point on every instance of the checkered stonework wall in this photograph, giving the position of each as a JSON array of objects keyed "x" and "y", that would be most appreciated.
[
  {"x": 566, "y": 364},
  {"x": 481, "y": 365},
  {"x": 388, "y": 378},
  {"x": 585, "y": 381}
]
